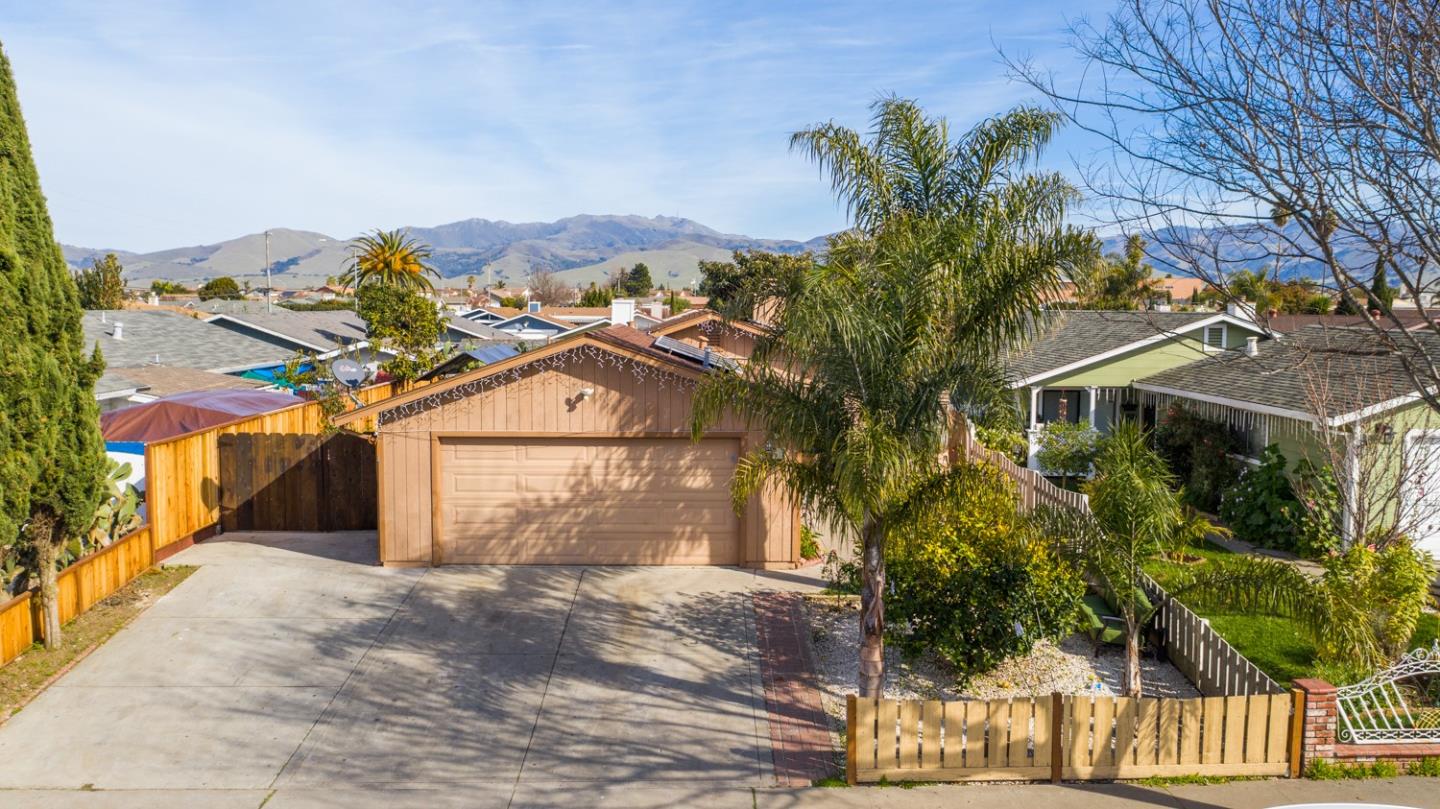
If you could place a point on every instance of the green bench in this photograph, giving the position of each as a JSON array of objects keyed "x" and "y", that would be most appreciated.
[{"x": 1101, "y": 621}]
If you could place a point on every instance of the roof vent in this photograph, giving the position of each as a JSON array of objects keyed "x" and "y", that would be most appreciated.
[
  {"x": 1252, "y": 346},
  {"x": 119, "y": 331}
]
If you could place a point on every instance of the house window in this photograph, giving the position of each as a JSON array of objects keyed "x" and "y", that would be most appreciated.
[
  {"x": 1061, "y": 405},
  {"x": 1215, "y": 336}
]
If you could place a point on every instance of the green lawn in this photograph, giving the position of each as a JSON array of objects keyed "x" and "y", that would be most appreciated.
[{"x": 1277, "y": 645}]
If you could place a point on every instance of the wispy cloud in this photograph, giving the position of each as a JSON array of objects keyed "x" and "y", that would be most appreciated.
[{"x": 192, "y": 122}]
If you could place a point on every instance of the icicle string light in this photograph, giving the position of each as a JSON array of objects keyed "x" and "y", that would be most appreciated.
[
  {"x": 555, "y": 362},
  {"x": 711, "y": 328}
]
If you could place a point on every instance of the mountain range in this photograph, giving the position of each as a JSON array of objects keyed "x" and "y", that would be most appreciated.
[{"x": 579, "y": 249}]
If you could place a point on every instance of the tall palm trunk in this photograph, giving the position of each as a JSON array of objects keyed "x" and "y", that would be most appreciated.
[
  {"x": 872, "y": 608},
  {"x": 47, "y": 554},
  {"x": 1132, "y": 686}
]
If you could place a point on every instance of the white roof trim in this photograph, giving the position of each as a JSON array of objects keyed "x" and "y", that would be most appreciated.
[
  {"x": 1374, "y": 410},
  {"x": 286, "y": 337},
  {"x": 1283, "y": 412},
  {"x": 1221, "y": 317}
]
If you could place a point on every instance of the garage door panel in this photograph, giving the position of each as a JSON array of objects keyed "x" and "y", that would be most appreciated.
[{"x": 588, "y": 501}]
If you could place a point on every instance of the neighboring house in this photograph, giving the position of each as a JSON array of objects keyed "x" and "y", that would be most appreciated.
[
  {"x": 1180, "y": 290},
  {"x": 325, "y": 334},
  {"x": 460, "y": 329},
  {"x": 137, "y": 338},
  {"x": 1342, "y": 380},
  {"x": 1081, "y": 364},
  {"x": 707, "y": 329},
  {"x": 575, "y": 452},
  {"x": 127, "y": 386},
  {"x": 139, "y": 345}
]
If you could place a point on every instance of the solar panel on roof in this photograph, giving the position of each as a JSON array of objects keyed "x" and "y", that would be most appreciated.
[
  {"x": 490, "y": 354},
  {"x": 683, "y": 349}
]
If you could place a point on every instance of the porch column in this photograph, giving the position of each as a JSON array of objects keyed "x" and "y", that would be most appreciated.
[
  {"x": 1090, "y": 405},
  {"x": 1033, "y": 433}
]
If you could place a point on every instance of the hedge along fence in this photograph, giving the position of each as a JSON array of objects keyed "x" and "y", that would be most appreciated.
[
  {"x": 1198, "y": 651},
  {"x": 80, "y": 586},
  {"x": 1071, "y": 738},
  {"x": 182, "y": 503}
]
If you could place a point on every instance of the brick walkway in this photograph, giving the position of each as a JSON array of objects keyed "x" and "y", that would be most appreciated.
[{"x": 799, "y": 729}]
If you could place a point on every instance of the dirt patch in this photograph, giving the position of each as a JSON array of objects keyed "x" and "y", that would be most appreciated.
[
  {"x": 27, "y": 675},
  {"x": 1070, "y": 667}
]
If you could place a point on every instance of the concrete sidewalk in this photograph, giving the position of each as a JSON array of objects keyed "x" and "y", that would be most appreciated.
[{"x": 1421, "y": 793}]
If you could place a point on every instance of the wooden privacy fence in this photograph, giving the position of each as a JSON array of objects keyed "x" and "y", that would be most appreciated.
[
  {"x": 80, "y": 586},
  {"x": 1070, "y": 738},
  {"x": 291, "y": 482},
  {"x": 182, "y": 474},
  {"x": 182, "y": 500}
]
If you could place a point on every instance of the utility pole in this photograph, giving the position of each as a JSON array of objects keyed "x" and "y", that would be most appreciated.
[{"x": 268, "y": 310}]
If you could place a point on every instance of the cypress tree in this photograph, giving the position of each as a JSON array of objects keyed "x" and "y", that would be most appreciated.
[{"x": 52, "y": 458}]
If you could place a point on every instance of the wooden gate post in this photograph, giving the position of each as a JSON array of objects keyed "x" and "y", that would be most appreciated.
[
  {"x": 1297, "y": 730},
  {"x": 851, "y": 726},
  {"x": 1057, "y": 730}
]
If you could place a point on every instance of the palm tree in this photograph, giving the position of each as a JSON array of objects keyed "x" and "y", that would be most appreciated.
[
  {"x": 391, "y": 258},
  {"x": 1137, "y": 515},
  {"x": 953, "y": 251}
]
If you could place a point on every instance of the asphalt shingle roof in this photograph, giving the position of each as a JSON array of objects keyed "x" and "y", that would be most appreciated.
[
  {"x": 324, "y": 330},
  {"x": 1318, "y": 369},
  {"x": 1065, "y": 337},
  {"x": 169, "y": 338}
]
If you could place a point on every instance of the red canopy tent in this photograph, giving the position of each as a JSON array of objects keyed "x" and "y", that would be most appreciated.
[{"x": 188, "y": 412}]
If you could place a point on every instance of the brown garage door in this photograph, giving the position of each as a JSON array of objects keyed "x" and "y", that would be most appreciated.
[{"x": 655, "y": 501}]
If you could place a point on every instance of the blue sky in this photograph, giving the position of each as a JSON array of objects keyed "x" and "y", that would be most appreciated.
[{"x": 168, "y": 123}]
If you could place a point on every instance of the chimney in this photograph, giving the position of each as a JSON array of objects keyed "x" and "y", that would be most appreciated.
[
  {"x": 534, "y": 307},
  {"x": 1240, "y": 309},
  {"x": 622, "y": 311},
  {"x": 119, "y": 331},
  {"x": 1252, "y": 346},
  {"x": 657, "y": 310}
]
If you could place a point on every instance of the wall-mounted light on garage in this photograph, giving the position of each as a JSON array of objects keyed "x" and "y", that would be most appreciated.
[{"x": 586, "y": 393}]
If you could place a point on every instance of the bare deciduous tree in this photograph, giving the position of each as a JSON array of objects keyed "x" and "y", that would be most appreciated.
[
  {"x": 548, "y": 289},
  {"x": 1292, "y": 134}
]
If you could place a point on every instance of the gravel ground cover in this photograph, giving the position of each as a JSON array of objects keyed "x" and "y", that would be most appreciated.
[{"x": 1071, "y": 667}]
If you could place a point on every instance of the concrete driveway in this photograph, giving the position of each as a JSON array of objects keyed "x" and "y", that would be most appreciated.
[{"x": 290, "y": 663}]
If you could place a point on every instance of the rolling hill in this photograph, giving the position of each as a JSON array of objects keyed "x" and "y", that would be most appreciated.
[{"x": 580, "y": 249}]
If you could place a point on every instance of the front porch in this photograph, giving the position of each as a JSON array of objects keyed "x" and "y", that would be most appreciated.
[{"x": 1100, "y": 407}]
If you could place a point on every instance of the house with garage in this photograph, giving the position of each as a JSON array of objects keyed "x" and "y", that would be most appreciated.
[
  {"x": 575, "y": 452},
  {"x": 1080, "y": 365},
  {"x": 1336, "y": 396}
]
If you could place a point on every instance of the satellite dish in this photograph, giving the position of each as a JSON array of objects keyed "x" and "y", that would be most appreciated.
[{"x": 348, "y": 372}]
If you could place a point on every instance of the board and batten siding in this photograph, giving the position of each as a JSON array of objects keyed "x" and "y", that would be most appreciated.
[
  {"x": 729, "y": 339},
  {"x": 545, "y": 402}
]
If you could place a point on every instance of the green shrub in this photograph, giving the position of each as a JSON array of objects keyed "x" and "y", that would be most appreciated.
[
  {"x": 1262, "y": 507},
  {"x": 1067, "y": 449},
  {"x": 1327, "y": 771},
  {"x": 1319, "y": 530},
  {"x": 809, "y": 543},
  {"x": 1201, "y": 448},
  {"x": 1008, "y": 441},
  {"x": 975, "y": 582},
  {"x": 1428, "y": 767}
]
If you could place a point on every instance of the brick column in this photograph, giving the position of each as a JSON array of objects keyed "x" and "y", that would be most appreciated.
[{"x": 1317, "y": 740}]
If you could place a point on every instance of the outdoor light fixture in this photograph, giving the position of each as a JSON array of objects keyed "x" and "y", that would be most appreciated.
[
  {"x": 586, "y": 393},
  {"x": 1385, "y": 433}
]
